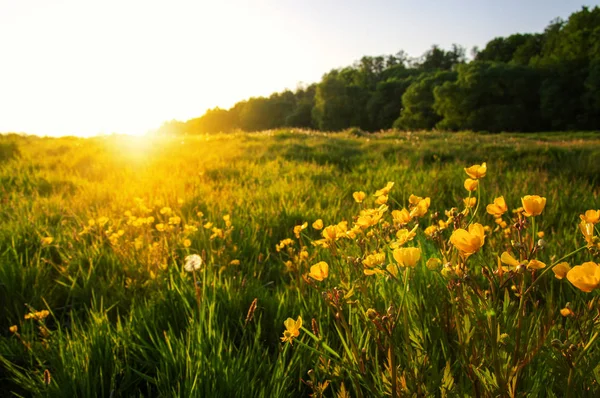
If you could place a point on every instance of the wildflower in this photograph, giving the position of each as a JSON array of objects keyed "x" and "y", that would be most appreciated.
[
  {"x": 13, "y": 329},
  {"x": 561, "y": 269},
  {"x": 533, "y": 205},
  {"x": 420, "y": 209},
  {"x": 227, "y": 219},
  {"x": 470, "y": 202},
  {"x": 38, "y": 315},
  {"x": 471, "y": 185},
  {"x": 566, "y": 312},
  {"x": 299, "y": 228},
  {"x": 372, "y": 261},
  {"x": 585, "y": 277},
  {"x": 174, "y": 220},
  {"x": 160, "y": 227},
  {"x": 407, "y": 256},
  {"x": 318, "y": 225},
  {"x": 431, "y": 230},
  {"x": 319, "y": 271},
  {"x": 330, "y": 233},
  {"x": 47, "y": 240},
  {"x": 433, "y": 263},
  {"x": 591, "y": 216},
  {"x": 512, "y": 262},
  {"x": 477, "y": 171},
  {"x": 193, "y": 262},
  {"x": 381, "y": 200},
  {"x": 498, "y": 208},
  {"x": 385, "y": 190},
  {"x": 282, "y": 244},
  {"x": 234, "y": 262},
  {"x": 587, "y": 229},
  {"x": 102, "y": 220},
  {"x": 401, "y": 217},
  {"x": 359, "y": 196},
  {"x": 208, "y": 225},
  {"x": 535, "y": 264},
  {"x": 414, "y": 199},
  {"x": 166, "y": 211},
  {"x": 217, "y": 233},
  {"x": 468, "y": 242},
  {"x": 404, "y": 235},
  {"x": 292, "y": 329},
  {"x": 187, "y": 243}
]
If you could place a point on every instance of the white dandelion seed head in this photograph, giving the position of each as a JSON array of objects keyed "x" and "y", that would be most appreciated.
[{"x": 193, "y": 263}]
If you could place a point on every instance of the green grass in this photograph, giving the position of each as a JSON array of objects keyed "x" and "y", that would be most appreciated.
[{"x": 124, "y": 320}]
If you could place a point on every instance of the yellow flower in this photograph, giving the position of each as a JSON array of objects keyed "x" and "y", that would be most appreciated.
[
  {"x": 509, "y": 260},
  {"x": 160, "y": 227},
  {"x": 535, "y": 264},
  {"x": 38, "y": 315},
  {"x": 166, "y": 211},
  {"x": 471, "y": 185},
  {"x": 404, "y": 235},
  {"x": 470, "y": 202},
  {"x": 407, "y": 256},
  {"x": 477, "y": 171},
  {"x": 585, "y": 277},
  {"x": 414, "y": 199},
  {"x": 421, "y": 208},
  {"x": 561, "y": 269},
  {"x": 587, "y": 229},
  {"x": 533, "y": 205},
  {"x": 498, "y": 208},
  {"x": 392, "y": 269},
  {"x": 468, "y": 242},
  {"x": 13, "y": 329},
  {"x": 174, "y": 220},
  {"x": 381, "y": 200},
  {"x": 401, "y": 217},
  {"x": 299, "y": 228},
  {"x": 47, "y": 240},
  {"x": 371, "y": 262},
  {"x": 591, "y": 216},
  {"x": 187, "y": 243},
  {"x": 318, "y": 225},
  {"x": 330, "y": 233},
  {"x": 359, "y": 196},
  {"x": 319, "y": 271},
  {"x": 431, "y": 230},
  {"x": 386, "y": 190},
  {"x": 433, "y": 263},
  {"x": 234, "y": 262},
  {"x": 566, "y": 312},
  {"x": 292, "y": 329},
  {"x": 208, "y": 225}
]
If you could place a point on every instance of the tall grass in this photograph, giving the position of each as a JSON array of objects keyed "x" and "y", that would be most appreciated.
[{"x": 80, "y": 237}]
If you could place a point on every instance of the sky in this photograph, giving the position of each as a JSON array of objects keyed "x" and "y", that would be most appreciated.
[{"x": 81, "y": 67}]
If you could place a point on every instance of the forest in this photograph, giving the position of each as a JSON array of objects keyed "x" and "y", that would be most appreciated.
[{"x": 544, "y": 81}]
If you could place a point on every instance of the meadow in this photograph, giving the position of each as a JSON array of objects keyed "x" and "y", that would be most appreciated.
[{"x": 286, "y": 263}]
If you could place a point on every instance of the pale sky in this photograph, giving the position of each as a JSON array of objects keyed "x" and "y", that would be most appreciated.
[{"x": 80, "y": 67}]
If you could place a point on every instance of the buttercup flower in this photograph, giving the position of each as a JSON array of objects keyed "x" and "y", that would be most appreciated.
[
  {"x": 359, "y": 196},
  {"x": 386, "y": 190},
  {"x": 470, "y": 202},
  {"x": 193, "y": 262},
  {"x": 468, "y": 242},
  {"x": 561, "y": 269},
  {"x": 585, "y": 277},
  {"x": 498, "y": 208},
  {"x": 477, "y": 171},
  {"x": 533, "y": 205},
  {"x": 318, "y": 225},
  {"x": 535, "y": 264},
  {"x": 407, "y": 256},
  {"x": 471, "y": 185},
  {"x": 319, "y": 271},
  {"x": 292, "y": 329},
  {"x": 591, "y": 216}
]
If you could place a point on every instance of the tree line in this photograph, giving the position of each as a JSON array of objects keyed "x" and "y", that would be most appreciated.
[{"x": 523, "y": 82}]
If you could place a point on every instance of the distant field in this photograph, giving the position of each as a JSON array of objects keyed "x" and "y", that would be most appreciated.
[{"x": 96, "y": 232}]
